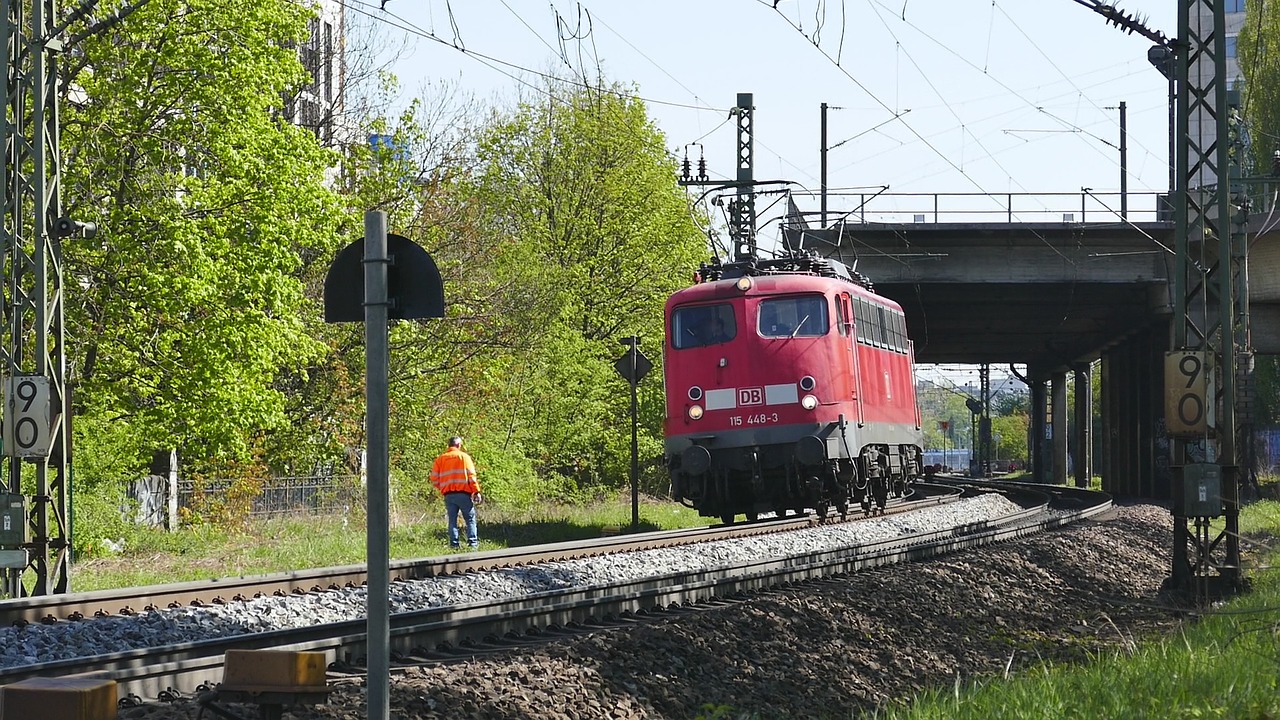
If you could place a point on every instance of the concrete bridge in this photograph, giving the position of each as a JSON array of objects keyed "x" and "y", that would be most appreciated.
[{"x": 1055, "y": 282}]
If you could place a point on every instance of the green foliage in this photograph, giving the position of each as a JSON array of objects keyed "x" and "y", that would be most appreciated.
[
  {"x": 557, "y": 226},
  {"x": 567, "y": 237},
  {"x": 108, "y": 452},
  {"x": 186, "y": 302},
  {"x": 712, "y": 711},
  {"x": 1012, "y": 403},
  {"x": 1258, "y": 45},
  {"x": 98, "y": 516},
  {"x": 108, "y": 455},
  {"x": 943, "y": 404},
  {"x": 1012, "y": 430}
]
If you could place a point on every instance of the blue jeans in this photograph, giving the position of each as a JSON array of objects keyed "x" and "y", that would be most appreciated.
[{"x": 455, "y": 503}]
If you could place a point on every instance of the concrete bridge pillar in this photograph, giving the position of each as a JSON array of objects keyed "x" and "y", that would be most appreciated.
[
  {"x": 1058, "y": 426},
  {"x": 1082, "y": 439},
  {"x": 1036, "y": 445},
  {"x": 1135, "y": 454}
]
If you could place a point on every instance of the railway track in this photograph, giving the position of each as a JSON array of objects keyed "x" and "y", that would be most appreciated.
[
  {"x": 444, "y": 632},
  {"x": 77, "y": 607}
]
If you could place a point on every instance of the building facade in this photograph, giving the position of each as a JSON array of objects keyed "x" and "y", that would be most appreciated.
[{"x": 318, "y": 106}]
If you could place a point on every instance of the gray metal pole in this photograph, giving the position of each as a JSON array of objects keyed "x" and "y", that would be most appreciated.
[
  {"x": 823, "y": 148},
  {"x": 376, "y": 422},
  {"x": 635, "y": 444},
  {"x": 1124, "y": 162}
]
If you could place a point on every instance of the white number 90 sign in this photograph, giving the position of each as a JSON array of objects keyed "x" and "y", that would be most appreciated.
[{"x": 27, "y": 431}]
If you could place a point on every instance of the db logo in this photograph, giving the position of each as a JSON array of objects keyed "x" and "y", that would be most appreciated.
[{"x": 751, "y": 396}]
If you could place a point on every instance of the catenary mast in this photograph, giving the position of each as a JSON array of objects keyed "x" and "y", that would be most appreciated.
[{"x": 37, "y": 449}]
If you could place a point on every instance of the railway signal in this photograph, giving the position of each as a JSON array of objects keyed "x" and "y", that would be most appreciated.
[
  {"x": 633, "y": 366},
  {"x": 377, "y": 278}
]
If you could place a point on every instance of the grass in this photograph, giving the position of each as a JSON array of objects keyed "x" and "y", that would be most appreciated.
[
  {"x": 201, "y": 552},
  {"x": 1226, "y": 664}
]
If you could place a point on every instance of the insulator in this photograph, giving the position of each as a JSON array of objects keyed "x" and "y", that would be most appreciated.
[
  {"x": 702, "y": 169},
  {"x": 684, "y": 168}
]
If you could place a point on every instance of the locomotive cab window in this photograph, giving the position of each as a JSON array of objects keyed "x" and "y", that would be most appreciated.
[
  {"x": 699, "y": 325},
  {"x": 788, "y": 317}
]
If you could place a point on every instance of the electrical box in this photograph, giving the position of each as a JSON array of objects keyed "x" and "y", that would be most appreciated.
[
  {"x": 13, "y": 521},
  {"x": 1201, "y": 492}
]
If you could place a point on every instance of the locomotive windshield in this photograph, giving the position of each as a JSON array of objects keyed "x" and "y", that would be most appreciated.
[
  {"x": 797, "y": 316},
  {"x": 699, "y": 325}
]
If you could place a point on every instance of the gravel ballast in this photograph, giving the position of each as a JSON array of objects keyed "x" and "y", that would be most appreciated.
[{"x": 820, "y": 650}]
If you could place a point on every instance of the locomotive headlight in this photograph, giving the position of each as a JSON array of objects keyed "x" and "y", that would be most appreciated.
[
  {"x": 807, "y": 383},
  {"x": 743, "y": 284},
  {"x": 695, "y": 412},
  {"x": 808, "y": 402}
]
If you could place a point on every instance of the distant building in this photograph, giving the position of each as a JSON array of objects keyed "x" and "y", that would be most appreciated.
[
  {"x": 319, "y": 105},
  {"x": 1203, "y": 69}
]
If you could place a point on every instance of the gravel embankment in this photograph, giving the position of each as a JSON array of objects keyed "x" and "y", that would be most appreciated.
[
  {"x": 68, "y": 640},
  {"x": 824, "y": 650}
]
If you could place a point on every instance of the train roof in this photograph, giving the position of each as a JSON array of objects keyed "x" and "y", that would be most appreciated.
[
  {"x": 799, "y": 263},
  {"x": 807, "y": 273}
]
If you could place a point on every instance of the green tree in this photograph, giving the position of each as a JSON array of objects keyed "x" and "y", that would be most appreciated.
[
  {"x": 1258, "y": 46},
  {"x": 1259, "y": 58},
  {"x": 185, "y": 306},
  {"x": 581, "y": 178},
  {"x": 1012, "y": 430},
  {"x": 942, "y": 403}
]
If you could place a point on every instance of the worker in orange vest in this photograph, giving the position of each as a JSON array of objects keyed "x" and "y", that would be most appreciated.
[{"x": 454, "y": 475}]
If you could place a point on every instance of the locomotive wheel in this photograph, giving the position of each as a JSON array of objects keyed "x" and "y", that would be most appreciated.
[{"x": 843, "y": 508}]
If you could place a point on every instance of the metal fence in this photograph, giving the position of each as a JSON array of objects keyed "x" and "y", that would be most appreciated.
[{"x": 326, "y": 495}]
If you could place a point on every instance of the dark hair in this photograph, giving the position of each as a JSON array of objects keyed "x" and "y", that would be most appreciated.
[{"x": 455, "y": 441}]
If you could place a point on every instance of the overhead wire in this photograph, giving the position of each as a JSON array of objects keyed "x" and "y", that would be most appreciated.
[
  {"x": 1054, "y": 65},
  {"x": 947, "y": 48},
  {"x": 489, "y": 61},
  {"x": 401, "y": 23},
  {"x": 876, "y": 98},
  {"x": 946, "y": 159},
  {"x": 928, "y": 81}
]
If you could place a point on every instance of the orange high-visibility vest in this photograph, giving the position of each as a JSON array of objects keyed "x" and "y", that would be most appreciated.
[{"x": 454, "y": 472}]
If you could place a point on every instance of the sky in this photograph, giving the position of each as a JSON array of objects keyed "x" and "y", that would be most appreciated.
[
  {"x": 933, "y": 96},
  {"x": 924, "y": 96}
]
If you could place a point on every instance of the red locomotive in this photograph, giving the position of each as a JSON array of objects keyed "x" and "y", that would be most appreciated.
[{"x": 790, "y": 385}]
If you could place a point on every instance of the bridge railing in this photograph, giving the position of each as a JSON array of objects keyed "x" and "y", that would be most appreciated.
[{"x": 1065, "y": 208}]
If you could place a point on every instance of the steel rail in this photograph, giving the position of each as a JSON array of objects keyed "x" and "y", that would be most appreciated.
[
  {"x": 148, "y": 673},
  {"x": 85, "y": 606}
]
